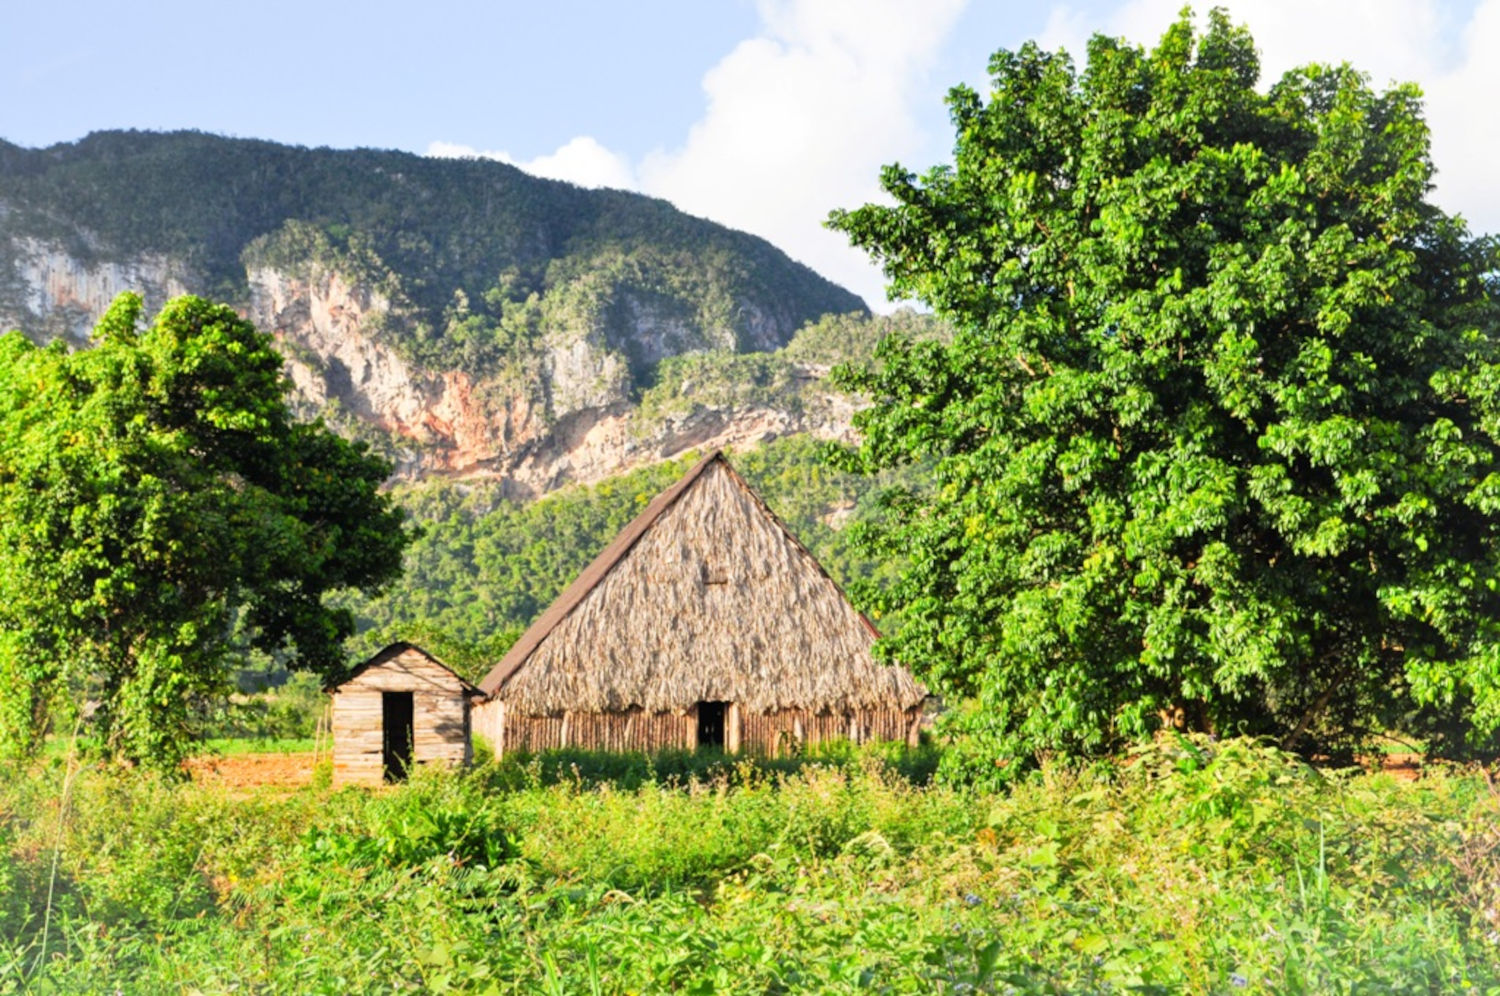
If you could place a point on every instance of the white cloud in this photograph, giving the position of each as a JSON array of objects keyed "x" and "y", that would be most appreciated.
[
  {"x": 1465, "y": 127},
  {"x": 582, "y": 161},
  {"x": 1451, "y": 55},
  {"x": 799, "y": 120},
  {"x": 1390, "y": 39}
]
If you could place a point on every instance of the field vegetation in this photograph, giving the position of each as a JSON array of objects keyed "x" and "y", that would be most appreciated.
[{"x": 1185, "y": 866}]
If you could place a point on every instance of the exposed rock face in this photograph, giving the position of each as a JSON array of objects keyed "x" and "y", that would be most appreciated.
[
  {"x": 53, "y": 294},
  {"x": 572, "y": 420},
  {"x": 590, "y": 447},
  {"x": 323, "y": 322}
]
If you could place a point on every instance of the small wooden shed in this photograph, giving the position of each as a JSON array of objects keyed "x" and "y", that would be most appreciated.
[
  {"x": 400, "y": 708},
  {"x": 704, "y": 624}
]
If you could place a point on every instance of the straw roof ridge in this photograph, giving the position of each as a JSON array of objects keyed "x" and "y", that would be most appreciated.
[
  {"x": 591, "y": 576},
  {"x": 391, "y": 652},
  {"x": 632, "y": 635}
]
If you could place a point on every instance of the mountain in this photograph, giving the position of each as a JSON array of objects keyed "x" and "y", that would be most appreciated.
[{"x": 466, "y": 318}]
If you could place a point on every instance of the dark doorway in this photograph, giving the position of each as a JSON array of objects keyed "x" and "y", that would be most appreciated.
[
  {"x": 396, "y": 722},
  {"x": 711, "y": 724}
]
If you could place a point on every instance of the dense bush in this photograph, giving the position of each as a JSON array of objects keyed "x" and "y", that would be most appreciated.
[{"x": 289, "y": 711}]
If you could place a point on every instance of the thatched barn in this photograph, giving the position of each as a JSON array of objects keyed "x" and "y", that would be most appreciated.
[
  {"x": 704, "y": 624},
  {"x": 400, "y": 708}
]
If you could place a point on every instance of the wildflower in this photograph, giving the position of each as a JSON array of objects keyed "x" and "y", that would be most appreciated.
[
  {"x": 1238, "y": 981},
  {"x": 971, "y": 900}
]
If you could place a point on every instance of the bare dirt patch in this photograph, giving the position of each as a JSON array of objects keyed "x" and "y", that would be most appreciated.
[
  {"x": 249, "y": 771},
  {"x": 1405, "y": 767}
]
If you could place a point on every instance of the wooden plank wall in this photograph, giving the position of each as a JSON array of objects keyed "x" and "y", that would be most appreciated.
[
  {"x": 440, "y": 718},
  {"x": 634, "y": 730},
  {"x": 775, "y": 732}
]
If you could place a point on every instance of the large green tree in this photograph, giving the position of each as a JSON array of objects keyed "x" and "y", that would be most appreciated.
[
  {"x": 1215, "y": 443},
  {"x": 160, "y": 511}
]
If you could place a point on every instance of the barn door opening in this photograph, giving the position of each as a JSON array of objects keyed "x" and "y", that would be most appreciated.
[
  {"x": 711, "y": 724},
  {"x": 396, "y": 715}
]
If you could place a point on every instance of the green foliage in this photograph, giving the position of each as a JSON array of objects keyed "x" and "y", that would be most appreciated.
[
  {"x": 631, "y": 770},
  {"x": 434, "y": 820},
  {"x": 484, "y": 567},
  {"x": 1187, "y": 866},
  {"x": 159, "y": 510},
  {"x": 852, "y": 340},
  {"x": 1215, "y": 440},
  {"x": 693, "y": 382},
  {"x": 289, "y": 711},
  {"x": 791, "y": 379}
]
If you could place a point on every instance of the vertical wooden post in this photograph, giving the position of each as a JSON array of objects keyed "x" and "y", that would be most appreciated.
[{"x": 732, "y": 728}]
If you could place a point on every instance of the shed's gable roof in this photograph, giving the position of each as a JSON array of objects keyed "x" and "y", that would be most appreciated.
[
  {"x": 640, "y": 623},
  {"x": 390, "y": 653}
]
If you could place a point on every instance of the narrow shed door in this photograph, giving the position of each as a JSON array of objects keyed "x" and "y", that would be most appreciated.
[{"x": 396, "y": 714}]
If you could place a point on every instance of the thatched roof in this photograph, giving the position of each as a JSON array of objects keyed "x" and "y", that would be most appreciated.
[
  {"x": 704, "y": 597},
  {"x": 390, "y": 653}
]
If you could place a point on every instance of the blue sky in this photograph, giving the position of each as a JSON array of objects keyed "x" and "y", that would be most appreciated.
[{"x": 762, "y": 114}]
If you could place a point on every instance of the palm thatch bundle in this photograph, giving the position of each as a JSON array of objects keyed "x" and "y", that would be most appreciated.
[{"x": 705, "y": 597}]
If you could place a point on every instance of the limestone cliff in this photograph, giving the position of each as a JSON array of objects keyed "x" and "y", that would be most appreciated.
[
  {"x": 54, "y": 294},
  {"x": 572, "y": 417}
]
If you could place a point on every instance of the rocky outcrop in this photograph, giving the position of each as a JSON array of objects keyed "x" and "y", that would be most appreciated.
[
  {"x": 573, "y": 424},
  {"x": 569, "y": 419},
  {"x": 437, "y": 421},
  {"x": 56, "y": 294},
  {"x": 462, "y": 316},
  {"x": 586, "y": 449}
]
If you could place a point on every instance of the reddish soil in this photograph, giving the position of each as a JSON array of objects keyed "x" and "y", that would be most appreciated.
[
  {"x": 247, "y": 771},
  {"x": 1407, "y": 767}
]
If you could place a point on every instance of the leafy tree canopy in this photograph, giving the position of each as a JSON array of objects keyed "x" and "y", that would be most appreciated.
[
  {"x": 1215, "y": 441},
  {"x": 158, "y": 507}
]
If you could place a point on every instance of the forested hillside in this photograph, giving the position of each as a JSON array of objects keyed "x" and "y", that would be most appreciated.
[
  {"x": 462, "y": 316},
  {"x": 434, "y": 229},
  {"x": 496, "y": 336}
]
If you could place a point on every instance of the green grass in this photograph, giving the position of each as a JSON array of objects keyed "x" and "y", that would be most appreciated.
[
  {"x": 232, "y": 746},
  {"x": 1188, "y": 867}
]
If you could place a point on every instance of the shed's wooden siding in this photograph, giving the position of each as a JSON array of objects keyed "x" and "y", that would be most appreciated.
[
  {"x": 440, "y": 717},
  {"x": 763, "y": 733}
]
